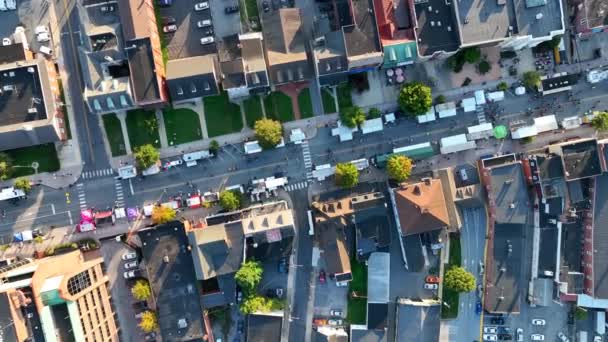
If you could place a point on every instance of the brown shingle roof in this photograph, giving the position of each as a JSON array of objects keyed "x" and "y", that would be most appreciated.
[{"x": 421, "y": 207}]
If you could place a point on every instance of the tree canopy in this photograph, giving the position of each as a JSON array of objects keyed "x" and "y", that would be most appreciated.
[
  {"x": 352, "y": 116},
  {"x": 230, "y": 200},
  {"x": 458, "y": 279},
  {"x": 249, "y": 276},
  {"x": 141, "y": 290},
  {"x": 415, "y": 98},
  {"x": 23, "y": 183},
  {"x": 146, "y": 156},
  {"x": 472, "y": 55},
  {"x": 258, "y": 303},
  {"x": 374, "y": 113},
  {"x": 502, "y": 86},
  {"x": 347, "y": 175},
  {"x": 148, "y": 322},
  {"x": 531, "y": 79},
  {"x": 214, "y": 147},
  {"x": 162, "y": 214},
  {"x": 6, "y": 166},
  {"x": 399, "y": 168},
  {"x": 600, "y": 121},
  {"x": 268, "y": 132}
]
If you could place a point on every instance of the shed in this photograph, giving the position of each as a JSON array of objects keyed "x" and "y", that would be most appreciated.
[
  {"x": 371, "y": 126},
  {"x": 456, "y": 143},
  {"x": 545, "y": 123},
  {"x": 480, "y": 97},
  {"x": 572, "y": 122},
  {"x": 469, "y": 104},
  {"x": 445, "y": 110}
]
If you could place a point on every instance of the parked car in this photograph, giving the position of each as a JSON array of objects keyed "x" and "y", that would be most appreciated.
[
  {"x": 490, "y": 330},
  {"x": 41, "y": 29},
  {"x": 322, "y": 276},
  {"x": 538, "y": 321},
  {"x": 478, "y": 307},
  {"x": 505, "y": 330},
  {"x": 170, "y": 29},
  {"x": 203, "y": 23},
  {"x": 142, "y": 305},
  {"x": 431, "y": 286},
  {"x": 505, "y": 337},
  {"x": 129, "y": 256},
  {"x": 208, "y": 32},
  {"x": 207, "y": 40},
  {"x": 165, "y": 3},
  {"x": 537, "y": 337},
  {"x": 283, "y": 265},
  {"x": 151, "y": 336},
  {"x": 131, "y": 274},
  {"x": 43, "y": 37},
  {"x": 201, "y": 6},
  {"x": 239, "y": 296},
  {"x": 432, "y": 279},
  {"x": 131, "y": 264},
  {"x": 490, "y": 337},
  {"x": 562, "y": 337},
  {"x": 520, "y": 334},
  {"x": 173, "y": 163},
  {"x": 335, "y": 312},
  {"x": 167, "y": 20},
  {"x": 597, "y": 338},
  {"x": 497, "y": 321},
  {"x": 335, "y": 322},
  {"x": 231, "y": 9}
]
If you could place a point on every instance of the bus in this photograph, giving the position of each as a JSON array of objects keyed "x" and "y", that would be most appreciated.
[{"x": 417, "y": 151}]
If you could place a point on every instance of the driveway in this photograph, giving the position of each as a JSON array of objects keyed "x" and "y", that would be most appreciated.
[{"x": 185, "y": 42}]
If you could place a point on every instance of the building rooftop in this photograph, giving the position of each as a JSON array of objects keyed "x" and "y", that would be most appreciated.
[
  {"x": 421, "y": 207},
  {"x": 12, "y": 53},
  {"x": 192, "y": 77},
  {"x": 332, "y": 241},
  {"x": 484, "y": 21},
  {"x": 592, "y": 13},
  {"x": 23, "y": 92},
  {"x": 571, "y": 247},
  {"x": 8, "y": 330},
  {"x": 538, "y": 18},
  {"x": 377, "y": 316},
  {"x": 395, "y": 20},
  {"x": 360, "y": 333},
  {"x": 581, "y": 159},
  {"x": 361, "y": 38},
  {"x": 509, "y": 194},
  {"x": 550, "y": 166},
  {"x": 175, "y": 276},
  {"x": 216, "y": 250},
  {"x": 331, "y": 55},
  {"x": 378, "y": 278},
  {"x": 136, "y": 17},
  {"x": 266, "y": 328},
  {"x": 417, "y": 320},
  {"x": 600, "y": 238},
  {"x": 371, "y": 223},
  {"x": 142, "y": 69},
  {"x": 547, "y": 257},
  {"x": 252, "y": 51},
  {"x": 436, "y": 28}
]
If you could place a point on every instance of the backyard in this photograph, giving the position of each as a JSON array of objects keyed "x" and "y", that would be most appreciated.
[
  {"x": 111, "y": 124},
  {"x": 253, "y": 110},
  {"x": 182, "y": 125},
  {"x": 450, "y": 297},
  {"x": 344, "y": 96},
  {"x": 357, "y": 306},
  {"x": 221, "y": 115},
  {"x": 278, "y": 107},
  {"x": 329, "y": 105},
  {"x": 305, "y": 104},
  {"x": 142, "y": 128},
  {"x": 45, "y": 155}
]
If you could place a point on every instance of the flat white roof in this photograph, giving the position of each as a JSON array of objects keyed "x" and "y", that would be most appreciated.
[
  {"x": 496, "y": 96},
  {"x": 390, "y": 117},
  {"x": 323, "y": 171},
  {"x": 152, "y": 170},
  {"x": 469, "y": 104},
  {"x": 456, "y": 143},
  {"x": 545, "y": 123},
  {"x": 427, "y": 117},
  {"x": 572, "y": 122},
  {"x": 454, "y": 140},
  {"x": 343, "y": 132},
  {"x": 480, "y": 97},
  {"x": 252, "y": 147},
  {"x": 480, "y": 128},
  {"x": 9, "y": 193},
  {"x": 524, "y": 132},
  {"x": 360, "y": 164},
  {"x": 273, "y": 183},
  {"x": 127, "y": 172},
  {"x": 196, "y": 155},
  {"x": 373, "y": 125},
  {"x": 445, "y": 110},
  {"x": 297, "y": 135}
]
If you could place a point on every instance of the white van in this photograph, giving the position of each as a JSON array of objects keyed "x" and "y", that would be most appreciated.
[
  {"x": 47, "y": 51},
  {"x": 203, "y": 23}
]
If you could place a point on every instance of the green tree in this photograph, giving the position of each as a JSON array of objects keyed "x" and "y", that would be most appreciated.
[
  {"x": 399, "y": 168},
  {"x": 148, "y": 322},
  {"x": 162, "y": 214},
  {"x": 374, "y": 113},
  {"x": 415, "y": 98},
  {"x": 141, "y": 290},
  {"x": 580, "y": 313},
  {"x": 352, "y": 116},
  {"x": 471, "y": 55},
  {"x": 23, "y": 183},
  {"x": 531, "y": 79},
  {"x": 458, "y": 279},
  {"x": 440, "y": 99},
  {"x": 600, "y": 121},
  {"x": 249, "y": 276},
  {"x": 214, "y": 147},
  {"x": 268, "y": 133},
  {"x": 483, "y": 67},
  {"x": 258, "y": 303},
  {"x": 146, "y": 156},
  {"x": 6, "y": 166},
  {"x": 230, "y": 200},
  {"x": 151, "y": 125},
  {"x": 502, "y": 86},
  {"x": 347, "y": 175}
]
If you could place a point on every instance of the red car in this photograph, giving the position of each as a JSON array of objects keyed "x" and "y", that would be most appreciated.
[
  {"x": 322, "y": 276},
  {"x": 432, "y": 279}
]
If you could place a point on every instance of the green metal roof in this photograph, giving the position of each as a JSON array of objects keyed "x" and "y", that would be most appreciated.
[{"x": 399, "y": 54}]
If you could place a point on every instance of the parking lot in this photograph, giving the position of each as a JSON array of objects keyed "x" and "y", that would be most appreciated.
[
  {"x": 225, "y": 24},
  {"x": 120, "y": 289},
  {"x": 29, "y": 14},
  {"x": 328, "y": 296}
]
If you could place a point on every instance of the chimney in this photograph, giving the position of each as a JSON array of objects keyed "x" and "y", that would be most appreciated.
[
  {"x": 427, "y": 181},
  {"x": 417, "y": 190}
]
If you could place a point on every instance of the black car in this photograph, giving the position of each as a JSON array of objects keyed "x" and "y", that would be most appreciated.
[
  {"x": 265, "y": 6},
  {"x": 505, "y": 330},
  {"x": 140, "y": 306},
  {"x": 497, "y": 321},
  {"x": 167, "y": 21},
  {"x": 231, "y": 9},
  {"x": 505, "y": 337}
]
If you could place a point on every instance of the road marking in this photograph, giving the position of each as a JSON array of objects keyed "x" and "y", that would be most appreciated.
[
  {"x": 53, "y": 208},
  {"x": 131, "y": 187},
  {"x": 70, "y": 217},
  {"x": 32, "y": 218}
]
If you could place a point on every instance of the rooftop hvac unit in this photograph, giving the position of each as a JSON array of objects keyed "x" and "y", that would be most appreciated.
[
  {"x": 32, "y": 110},
  {"x": 539, "y": 16},
  {"x": 31, "y": 70}
]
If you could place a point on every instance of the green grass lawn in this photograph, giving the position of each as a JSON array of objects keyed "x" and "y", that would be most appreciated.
[
  {"x": 357, "y": 307},
  {"x": 142, "y": 128},
  {"x": 45, "y": 155},
  {"x": 252, "y": 9},
  {"x": 278, "y": 106},
  {"x": 344, "y": 96},
  {"x": 117, "y": 142},
  {"x": 305, "y": 104},
  {"x": 451, "y": 297},
  {"x": 221, "y": 115},
  {"x": 329, "y": 105},
  {"x": 182, "y": 125},
  {"x": 253, "y": 110}
]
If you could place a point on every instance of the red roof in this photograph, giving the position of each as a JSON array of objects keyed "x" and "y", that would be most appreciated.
[{"x": 387, "y": 28}]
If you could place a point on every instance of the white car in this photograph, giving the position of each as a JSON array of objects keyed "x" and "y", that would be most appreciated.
[
  {"x": 335, "y": 313},
  {"x": 538, "y": 321},
  {"x": 429, "y": 286},
  {"x": 597, "y": 338},
  {"x": 173, "y": 163},
  {"x": 335, "y": 322},
  {"x": 129, "y": 256},
  {"x": 130, "y": 274},
  {"x": 169, "y": 28},
  {"x": 490, "y": 330},
  {"x": 520, "y": 334},
  {"x": 201, "y": 6},
  {"x": 490, "y": 337},
  {"x": 41, "y": 29},
  {"x": 11, "y": 4},
  {"x": 43, "y": 37},
  {"x": 6, "y": 41},
  {"x": 537, "y": 337},
  {"x": 562, "y": 337},
  {"x": 207, "y": 40},
  {"x": 130, "y": 264},
  {"x": 46, "y": 50},
  {"x": 203, "y": 23}
]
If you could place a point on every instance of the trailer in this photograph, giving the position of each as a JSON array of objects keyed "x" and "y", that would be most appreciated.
[{"x": 416, "y": 152}]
